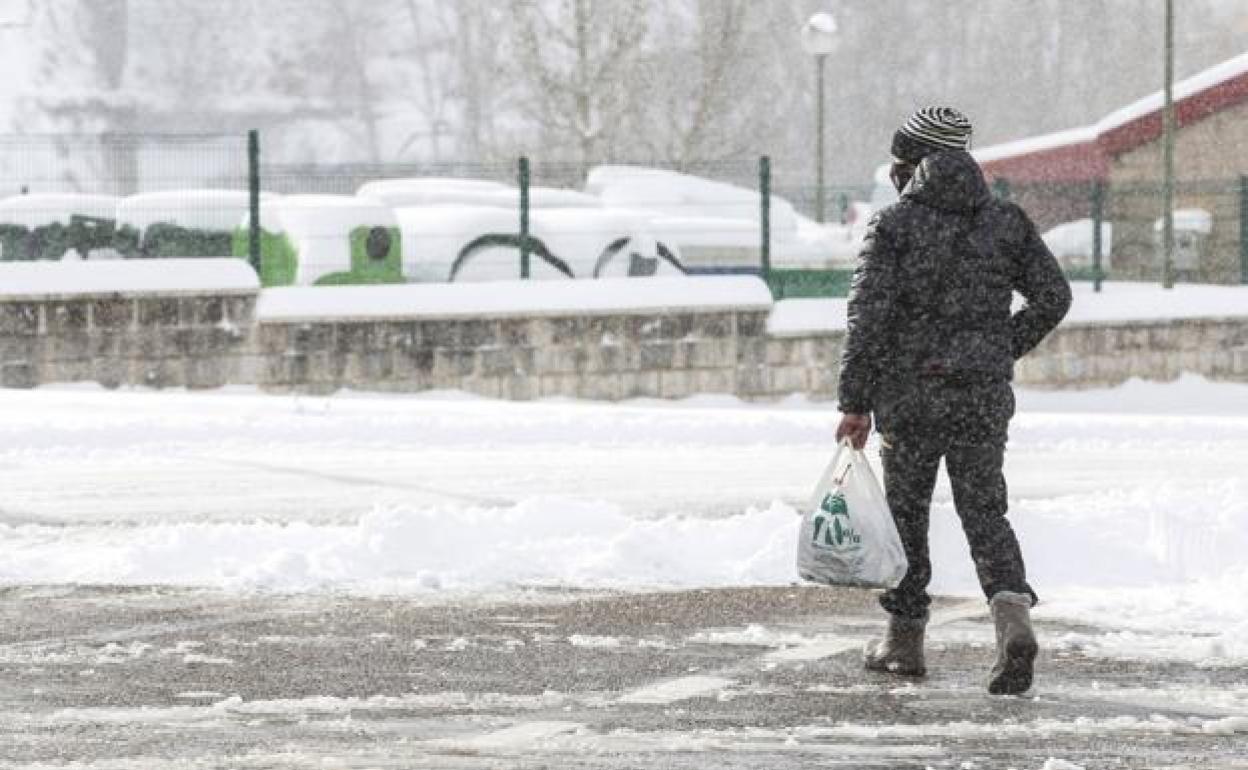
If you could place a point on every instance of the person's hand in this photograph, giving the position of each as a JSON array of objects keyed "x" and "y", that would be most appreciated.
[{"x": 855, "y": 427}]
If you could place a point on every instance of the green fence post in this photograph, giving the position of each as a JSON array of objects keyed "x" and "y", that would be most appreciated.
[
  {"x": 1098, "y": 219},
  {"x": 1243, "y": 228},
  {"x": 764, "y": 216},
  {"x": 253, "y": 190},
  {"x": 524, "y": 218}
]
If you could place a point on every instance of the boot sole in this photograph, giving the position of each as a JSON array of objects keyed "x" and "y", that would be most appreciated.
[{"x": 1015, "y": 677}]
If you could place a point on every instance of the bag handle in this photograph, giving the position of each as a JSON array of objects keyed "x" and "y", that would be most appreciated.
[
  {"x": 845, "y": 446},
  {"x": 830, "y": 477}
]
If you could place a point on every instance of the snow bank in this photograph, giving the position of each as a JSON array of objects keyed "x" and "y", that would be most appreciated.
[
  {"x": 518, "y": 298},
  {"x": 31, "y": 280},
  {"x": 1118, "y": 301},
  {"x": 39, "y": 210},
  {"x": 1131, "y": 516},
  {"x": 540, "y": 541}
]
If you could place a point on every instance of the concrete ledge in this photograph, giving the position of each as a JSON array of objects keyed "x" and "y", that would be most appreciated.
[
  {"x": 514, "y": 299},
  {"x": 167, "y": 277},
  {"x": 607, "y": 339}
]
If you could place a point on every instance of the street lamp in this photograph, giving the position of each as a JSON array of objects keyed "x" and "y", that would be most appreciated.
[
  {"x": 819, "y": 40},
  {"x": 1167, "y": 156}
]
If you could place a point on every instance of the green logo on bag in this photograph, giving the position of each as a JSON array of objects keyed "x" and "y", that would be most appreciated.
[{"x": 832, "y": 526}]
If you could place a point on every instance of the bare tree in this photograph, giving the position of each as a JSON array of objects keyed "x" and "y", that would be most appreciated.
[
  {"x": 78, "y": 92},
  {"x": 574, "y": 60}
]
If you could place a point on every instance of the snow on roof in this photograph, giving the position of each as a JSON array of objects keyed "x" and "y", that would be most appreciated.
[
  {"x": 513, "y": 298},
  {"x": 197, "y": 209},
  {"x": 1037, "y": 144},
  {"x": 38, "y": 210},
  {"x": 31, "y": 280},
  {"x": 1220, "y": 73},
  {"x": 1141, "y": 108}
]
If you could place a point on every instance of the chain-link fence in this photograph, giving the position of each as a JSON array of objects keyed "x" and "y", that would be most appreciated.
[
  {"x": 120, "y": 196},
  {"x": 163, "y": 196},
  {"x": 186, "y": 196},
  {"x": 1210, "y": 225}
]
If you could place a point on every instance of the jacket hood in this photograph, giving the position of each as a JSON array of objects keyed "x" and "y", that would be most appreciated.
[{"x": 950, "y": 180}]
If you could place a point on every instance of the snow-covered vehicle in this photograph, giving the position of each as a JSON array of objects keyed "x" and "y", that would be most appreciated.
[
  {"x": 468, "y": 230},
  {"x": 1071, "y": 243},
  {"x": 435, "y": 191},
  {"x": 50, "y": 225},
  {"x": 182, "y": 223},
  {"x": 327, "y": 240},
  {"x": 715, "y": 225}
]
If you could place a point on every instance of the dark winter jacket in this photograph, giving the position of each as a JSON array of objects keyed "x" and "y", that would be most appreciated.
[{"x": 932, "y": 295}]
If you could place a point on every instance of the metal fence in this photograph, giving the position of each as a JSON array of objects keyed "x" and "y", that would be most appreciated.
[
  {"x": 182, "y": 196},
  {"x": 1100, "y": 230},
  {"x": 168, "y": 196}
]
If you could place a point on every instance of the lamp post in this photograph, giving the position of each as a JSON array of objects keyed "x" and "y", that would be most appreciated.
[
  {"x": 1167, "y": 155},
  {"x": 819, "y": 40}
]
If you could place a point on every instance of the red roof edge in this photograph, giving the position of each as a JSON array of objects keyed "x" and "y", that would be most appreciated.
[
  {"x": 1082, "y": 162},
  {"x": 1189, "y": 110}
]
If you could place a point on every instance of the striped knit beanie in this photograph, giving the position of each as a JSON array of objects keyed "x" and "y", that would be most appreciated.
[{"x": 931, "y": 129}]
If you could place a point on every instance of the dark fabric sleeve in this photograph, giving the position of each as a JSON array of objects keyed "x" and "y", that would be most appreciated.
[
  {"x": 871, "y": 303},
  {"x": 1038, "y": 277}
]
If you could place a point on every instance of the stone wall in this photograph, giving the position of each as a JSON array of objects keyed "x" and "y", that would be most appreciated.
[
  {"x": 1103, "y": 354},
  {"x": 1074, "y": 356},
  {"x": 661, "y": 338},
  {"x": 611, "y": 356},
  {"x": 158, "y": 340}
]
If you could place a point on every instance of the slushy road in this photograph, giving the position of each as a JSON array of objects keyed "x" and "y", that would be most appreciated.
[{"x": 145, "y": 678}]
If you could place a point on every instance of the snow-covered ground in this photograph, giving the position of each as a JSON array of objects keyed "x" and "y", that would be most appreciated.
[{"x": 1130, "y": 502}]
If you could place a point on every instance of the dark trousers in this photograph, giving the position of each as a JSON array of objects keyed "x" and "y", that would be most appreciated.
[{"x": 966, "y": 424}]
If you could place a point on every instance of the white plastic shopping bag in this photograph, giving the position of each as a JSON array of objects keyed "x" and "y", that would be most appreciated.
[{"x": 847, "y": 535}]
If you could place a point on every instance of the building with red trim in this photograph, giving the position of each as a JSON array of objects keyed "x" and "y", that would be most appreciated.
[{"x": 1053, "y": 176}]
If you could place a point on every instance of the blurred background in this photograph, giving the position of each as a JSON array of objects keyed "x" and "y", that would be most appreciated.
[
  {"x": 670, "y": 81},
  {"x": 118, "y": 97}
]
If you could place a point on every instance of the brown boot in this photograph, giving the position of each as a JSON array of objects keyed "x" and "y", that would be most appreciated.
[
  {"x": 900, "y": 652},
  {"x": 1016, "y": 644}
]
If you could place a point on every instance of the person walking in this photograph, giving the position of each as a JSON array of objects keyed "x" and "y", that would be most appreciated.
[{"x": 930, "y": 353}]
